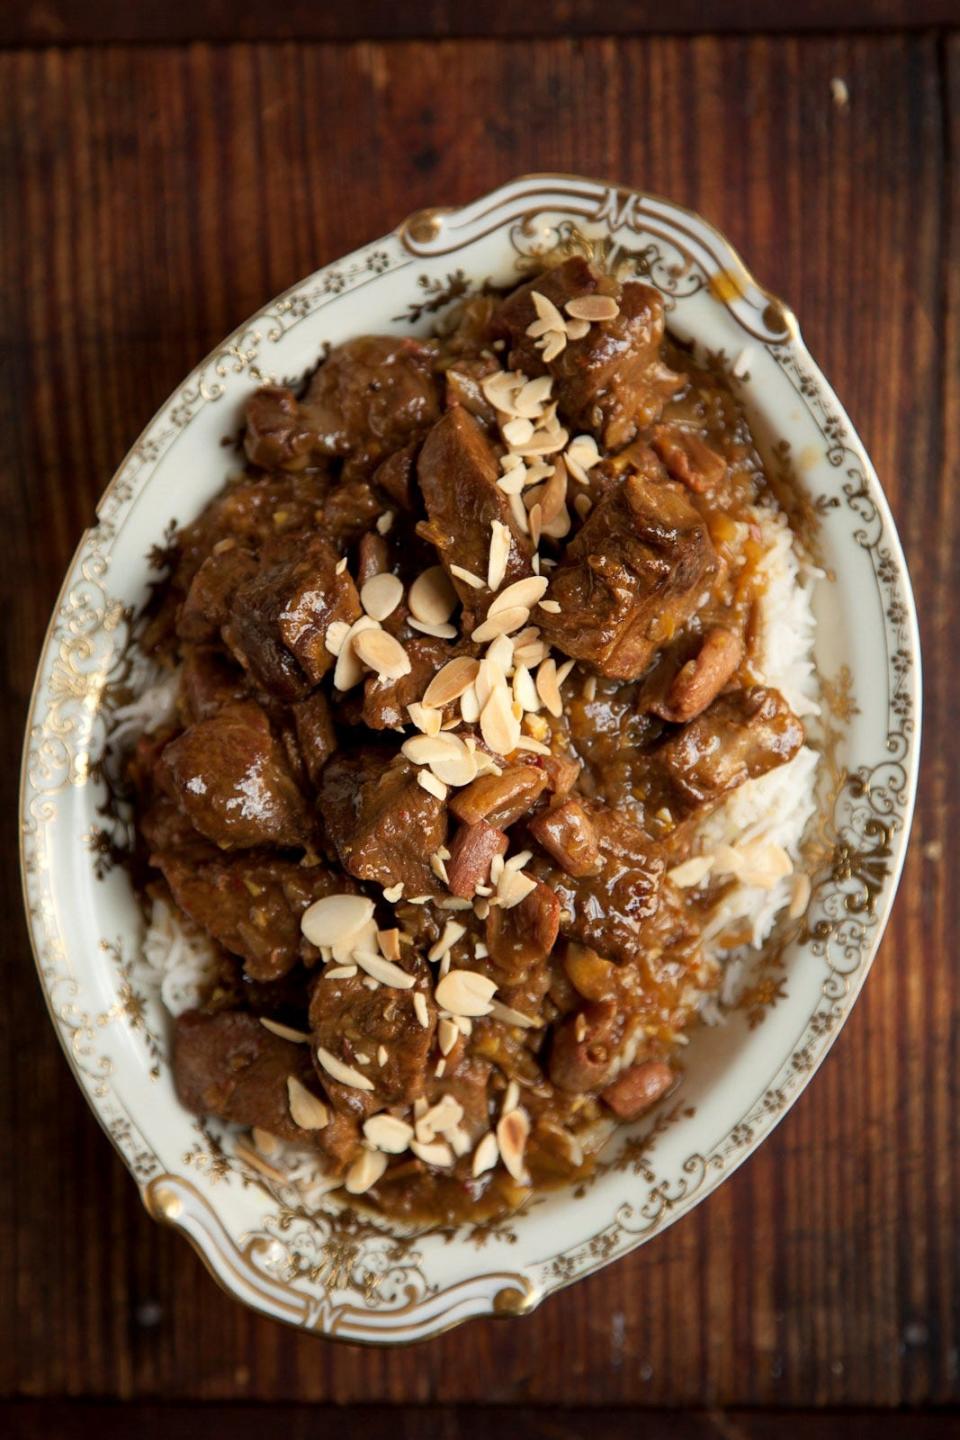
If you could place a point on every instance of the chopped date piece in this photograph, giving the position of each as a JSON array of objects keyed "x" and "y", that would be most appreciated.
[
  {"x": 316, "y": 736},
  {"x": 520, "y": 937},
  {"x": 207, "y": 605},
  {"x": 586, "y": 1047},
  {"x": 279, "y": 435},
  {"x": 500, "y": 800},
  {"x": 208, "y": 681},
  {"x": 471, "y": 853},
  {"x": 637, "y": 567},
  {"x": 568, "y": 835},
  {"x": 458, "y": 473},
  {"x": 279, "y": 619},
  {"x": 372, "y": 395},
  {"x": 351, "y": 1021},
  {"x": 688, "y": 458},
  {"x": 636, "y": 1089},
  {"x": 230, "y": 1065},
  {"x": 384, "y": 825},
  {"x": 250, "y": 903},
  {"x": 230, "y": 777},
  {"x": 702, "y": 678},
  {"x": 743, "y": 734},
  {"x": 608, "y": 909}
]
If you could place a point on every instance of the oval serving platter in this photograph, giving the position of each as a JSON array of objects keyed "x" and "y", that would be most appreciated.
[{"x": 346, "y": 1273}]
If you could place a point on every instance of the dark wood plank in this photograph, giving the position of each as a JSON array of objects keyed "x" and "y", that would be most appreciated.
[
  {"x": 71, "y": 22},
  {"x": 79, "y": 1420},
  {"x": 152, "y": 198}
]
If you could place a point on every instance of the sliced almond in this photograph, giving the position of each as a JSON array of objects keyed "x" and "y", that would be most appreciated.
[
  {"x": 576, "y": 329},
  {"x": 306, "y": 1109},
  {"x": 285, "y": 1032},
  {"x": 499, "y": 726},
  {"x": 388, "y": 1133},
  {"x": 349, "y": 670},
  {"x": 691, "y": 871},
  {"x": 451, "y": 681},
  {"x": 439, "y": 632},
  {"x": 547, "y": 312},
  {"x": 432, "y": 598},
  {"x": 365, "y": 1171},
  {"x": 486, "y": 1154},
  {"x": 511, "y": 1098},
  {"x": 503, "y": 622},
  {"x": 429, "y": 782},
  {"x": 385, "y": 522},
  {"x": 470, "y": 706},
  {"x": 427, "y": 721},
  {"x": 384, "y": 970},
  {"x": 338, "y": 1070},
  {"x": 508, "y": 1016},
  {"x": 512, "y": 1132},
  {"x": 389, "y": 943},
  {"x": 335, "y": 918},
  {"x": 420, "y": 1009},
  {"x": 592, "y": 308},
  {"x": 382, "y": 653},
  {"x": 513, "y": 887},
  {"x": 548, "y": 688},
  {"x": 447, "y": 1035},
  {"x": 452, "y": 932},
  {"x": 393, "y": 893},
  {"x": 499, "y": 555},
  {"x": 524, "y": 690},
  {"x": 381, "y": 595},
  {"x": 536, "y": 522},
  {"x": 437, "y": 1153},
  {"x": 530, "y": 398},
  {"x": 467, "y": 576},
  {"x": 465, "y": 992},
  {"x": 337, "y": 632},
  {"x": 521, "y": 594},
  {"x": 517, "y": 431},
  {"x": 552, "y": 607},
  {"x": 458, "y": 767},
  {"x": 424, "y": 749}
]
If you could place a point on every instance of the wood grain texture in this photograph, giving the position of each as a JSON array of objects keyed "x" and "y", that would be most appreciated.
[
  {"x": 69, "y": 22},
  {"x": 152, "y": 198}
]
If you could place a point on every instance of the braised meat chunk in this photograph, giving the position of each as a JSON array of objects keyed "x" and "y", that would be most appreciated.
[
  {"x": 633, "y": 574},
  {"x": 457, "y": 679},
  {"x": 230, "y": 778}
]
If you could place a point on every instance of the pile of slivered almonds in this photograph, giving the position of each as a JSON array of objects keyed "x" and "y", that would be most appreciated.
[{"x": 504, "y": 694}]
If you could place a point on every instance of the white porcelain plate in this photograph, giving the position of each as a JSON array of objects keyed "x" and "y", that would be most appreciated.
[{"x": 345, "y": 1273}]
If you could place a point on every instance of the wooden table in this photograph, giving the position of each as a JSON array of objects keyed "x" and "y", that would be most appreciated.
[{"x": 151, "y": 196}]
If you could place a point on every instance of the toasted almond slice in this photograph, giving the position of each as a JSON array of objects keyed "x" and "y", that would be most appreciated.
[
  {"x": 285, "y": 1032},
  {"x": 499, "y": 726},
  {"x": 427, "y": 721},
  {"x": 489, "y": 676},
  {"x": 519, "y": 513},
  {"x": 500, "y": 651},
  {"x": 583, "y": 449},
  {"x": 349, "y": 670},
  {"x": 365, "y": 1171},
  {"x": 536, "y": 522},
  {"x": 381, "y": 595},
  {"x": 465, "y": 992},
  {"x": 691, "y": 871},
  {"x": 335, "y": 918},
  {"x": 338, "y": 1070},
  {"x": 439, "y": 632},
  {"x": 486, "y": 1154},
  {"x": 457, "y": 768},
  {"x": 800, "y": 898},
  {"x": 429, "y": 782},
  {"x": 552, "y": 607},
  {"x": 548, "y": 688},
  {"x": 266, "y": 1143},
  {"x": 592, "y": 307},
  {"x": 452, "y": 932},
  {"x": 522, "y": 594},
  {"x": 447, "y": 1034},
  {"x": 513, "y": 482},
  {"x": 512, "y": 1132},
  {"x": 424, "y": 749},
  {"x": 384, "y": 970},
  {"x": 470, "y": 706},
  {"x": 437, "y": 1153},
  {"x": 256, "y": 1162},
  {"x": 583, "y": 505},
  {"x": 508, "y": 1016},
  {"x": 524, "y": 690},
  {"x": 337, "y": 632},
  {"x": 432, "y": 598},
  {"x": 546, "y": 310},
  {"x": 564, "y": 670},
  {"x": 393, "y": 893},
  {"x": 531, "y": 397},
  {"x": 339, "y": 972},
  {"x": 511, "y": 1098},
  {"x": 517, "y": 431},
  {"x": 389, "y": 943},
  {"x": 501, "y": 623},
  {"x": 555, "y": 344},
  {"x": 499, "y": 554},
  {"x": 451, "y": 681},
  {"x": 500, "y": 388},
  {"x": 306, "y": 1109},
  {"x": 384, "y": 522},
  {"x": 576, "y": 329},
  {"x": 382, "y": 1055},
  {"x": 467, "y": 576},
  {"x": 382, "y": 653},
  {"x": 535, "y": 747},
  {"x": 420, "y": 1009},
  {"x": 388, "y": 1133},
  {"x": 513, "y": 887},
  {"x": 545, "y": 441}
]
